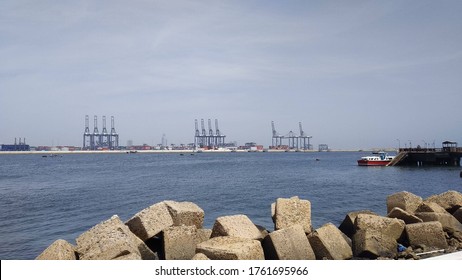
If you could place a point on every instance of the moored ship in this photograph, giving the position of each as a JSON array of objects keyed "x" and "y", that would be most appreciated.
[{"x": 378, "y": 159}]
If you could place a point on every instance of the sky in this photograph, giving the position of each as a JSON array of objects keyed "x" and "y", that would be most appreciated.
[{"x": 356, "y": 74}]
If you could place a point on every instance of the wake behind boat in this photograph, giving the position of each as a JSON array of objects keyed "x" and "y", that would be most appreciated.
[{"x": 378, "y": 159}]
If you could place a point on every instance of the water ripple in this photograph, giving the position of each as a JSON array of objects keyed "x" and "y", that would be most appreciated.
[{"x": 44, "y": 199}]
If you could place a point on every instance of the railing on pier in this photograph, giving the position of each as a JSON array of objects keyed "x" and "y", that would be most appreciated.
[{"x": 432, "y": 150}]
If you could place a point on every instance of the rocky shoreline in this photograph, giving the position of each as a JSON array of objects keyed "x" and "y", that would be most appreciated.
[{"x": 414, "y": 228}]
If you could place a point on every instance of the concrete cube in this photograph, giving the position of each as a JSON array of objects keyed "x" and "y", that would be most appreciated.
[
  {"x": 180, "y": 242},
  {"x": 427, "y": 206},
  {"x": 448, "y": 221},
  {"x": 404, "y": 200},
  {"x": 348, "y": 224},
  {"x": 328, "y": 242},
  {"x": 429, "y": 234},
  {"x": 185, "y": 213},
  {"x": 288, "y": 244},
  {"x": 203, "y": 234},
  {"x": 292, "y": 211},
  {"x": 391, "y": 227},
  {"x": 231, "y": 248},
  {"x": 109, "y": 240},
  {"x": 450, "y": 200},
  {"x": 403, "y": 215},
  {"x": 150, "y": 221},
  {"x": 371, "y": 244},
  {"x": 58, "y": 250},
  {"x": 237, "y": 226}
]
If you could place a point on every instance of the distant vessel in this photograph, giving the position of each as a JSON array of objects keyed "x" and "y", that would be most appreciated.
[
  {"x": 51, "y": 155},
  {"x": 378, "y": 159}
]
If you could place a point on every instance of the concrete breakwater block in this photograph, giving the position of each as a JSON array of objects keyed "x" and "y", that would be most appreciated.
[
  {"x": 150, "y": 221},
  {"x": 403, "y": 215},
  {"x": 407, "y": 201},
  {"x": 348, "y": 224},
  {"x": 180, "y": 241},
  {"x": 292, "y": 211},
  {"x": 110, "y": 240},
  {"x": 288, "y": 244},
  {"x": 237, "y": 226},
  {"x": 377, "y": 236},
  {"x": 450, "y": 200},
  {"x": 428, "y": 234},
  {"x": 448, "y": 221},
  {"x": 185, "y": 213},
  {"x": 371, "y": 244},
  {"x": 427, "y": 206},
  {"x": 328, "y": 242},
  {"x": 391, "y": 227},
  {"x": 203, "y": 234},
  {"x": 231, "y": 248},
  {"x": 58, "y": 250}
]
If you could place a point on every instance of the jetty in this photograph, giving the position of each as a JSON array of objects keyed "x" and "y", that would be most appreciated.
[{"x": 448, "y": 155}]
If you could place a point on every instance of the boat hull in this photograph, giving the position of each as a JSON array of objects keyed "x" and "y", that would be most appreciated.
[{"x": 362, "y": 162}]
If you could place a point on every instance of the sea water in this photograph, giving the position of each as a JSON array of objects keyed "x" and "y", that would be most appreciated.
[{"x": 47, "y": 198}]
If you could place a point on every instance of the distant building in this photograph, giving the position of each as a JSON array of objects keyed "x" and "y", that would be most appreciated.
[
  {"x": 15, "y": 147},
  {"x": 21, "y": 146},
  {"x": 323, "y": 148},
  {"x": 58, "y": 148},
  {"x": 279, "y": 147},
  {"x": 251, "y": 146},
  {"x": 139, "y": 147}
]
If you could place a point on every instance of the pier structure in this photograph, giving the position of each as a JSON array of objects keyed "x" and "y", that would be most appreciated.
[
  {"x": 294, "y": 141},
  {"x": 211, "y": 139},
  {"x": 100, "y": 141},
  {"x": 448, "y": 155}
]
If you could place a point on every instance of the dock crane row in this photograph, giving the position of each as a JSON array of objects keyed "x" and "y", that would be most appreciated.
[
  {"x": 211, "y": 139},
  {"x": 98, "y": 141},
  {"x": 301, "y": 141}
]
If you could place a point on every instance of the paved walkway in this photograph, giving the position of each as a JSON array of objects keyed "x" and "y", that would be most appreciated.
[{"x": 451, "y": 256}]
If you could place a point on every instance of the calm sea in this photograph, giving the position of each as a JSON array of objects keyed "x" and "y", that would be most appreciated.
[{"x": 44, "y": 199}]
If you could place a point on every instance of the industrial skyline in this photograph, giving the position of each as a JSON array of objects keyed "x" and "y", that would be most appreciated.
[{"x": 203, "y": 138}]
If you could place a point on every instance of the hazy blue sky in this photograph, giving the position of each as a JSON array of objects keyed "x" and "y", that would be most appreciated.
[{"x": 357, "y": 74}]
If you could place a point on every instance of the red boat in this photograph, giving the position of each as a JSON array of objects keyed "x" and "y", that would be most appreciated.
[{"x": 378, "y": 159}]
